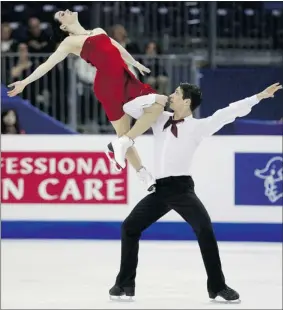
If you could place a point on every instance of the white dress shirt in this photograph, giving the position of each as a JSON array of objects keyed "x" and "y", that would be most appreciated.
[{"x": 173, "y": 156}]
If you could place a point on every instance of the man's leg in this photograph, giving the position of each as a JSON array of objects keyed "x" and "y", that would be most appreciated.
[
  {"x": 146, "y": 212},
  {"x": 193, "y": 212}
]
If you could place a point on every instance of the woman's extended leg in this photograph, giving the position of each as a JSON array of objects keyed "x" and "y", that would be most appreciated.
[
  {"x": 149, "y": 116},
  {"x": 146, "y": 109},
  {"x": 122, "y": 126}
]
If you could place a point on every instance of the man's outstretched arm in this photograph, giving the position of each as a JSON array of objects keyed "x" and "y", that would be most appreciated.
[{"x": 240, "y": 108}]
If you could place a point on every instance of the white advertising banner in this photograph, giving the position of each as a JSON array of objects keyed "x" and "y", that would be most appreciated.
[{"x": 69, "y": 178}]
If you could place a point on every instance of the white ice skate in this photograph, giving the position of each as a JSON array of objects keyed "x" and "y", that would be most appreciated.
[{"x": 119, "y": 148}]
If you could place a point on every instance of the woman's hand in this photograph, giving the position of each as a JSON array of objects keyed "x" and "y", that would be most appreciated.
[
  {"x": 142, "y": 69},
  {"x": 18, "y": 88}
]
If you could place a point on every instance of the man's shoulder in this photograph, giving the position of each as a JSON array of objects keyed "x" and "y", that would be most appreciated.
[
  {"x": 199, "y": 120},
  {"x": 162, "y": 119}
]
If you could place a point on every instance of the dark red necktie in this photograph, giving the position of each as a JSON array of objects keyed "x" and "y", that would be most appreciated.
[{"x": 174, "y": 123}]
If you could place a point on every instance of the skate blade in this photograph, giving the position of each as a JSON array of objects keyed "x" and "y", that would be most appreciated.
[
  {"x": 113, "y": 162},
  {"x": 122, "y": 298},
  {"x": 220, "y": 300}
]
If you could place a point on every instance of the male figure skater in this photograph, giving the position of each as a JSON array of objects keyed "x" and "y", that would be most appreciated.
[{"x": 177, "y": 136}]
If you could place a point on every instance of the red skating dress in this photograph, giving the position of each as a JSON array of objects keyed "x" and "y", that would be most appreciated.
[{"x": 114, "y": 84}]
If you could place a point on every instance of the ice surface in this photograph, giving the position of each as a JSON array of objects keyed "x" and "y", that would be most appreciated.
[{"x": 171, "y": 275}]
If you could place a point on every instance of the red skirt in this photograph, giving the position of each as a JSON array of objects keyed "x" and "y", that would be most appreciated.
[{"x": 116, "y": 88}]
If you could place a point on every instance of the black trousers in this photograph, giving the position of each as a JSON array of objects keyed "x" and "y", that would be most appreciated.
[{"x": 172, "y": 193}]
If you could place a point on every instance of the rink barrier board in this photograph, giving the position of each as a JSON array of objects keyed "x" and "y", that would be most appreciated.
[
  {"x": 217, "y": 180},
  {"x": 174, "y": 231}
]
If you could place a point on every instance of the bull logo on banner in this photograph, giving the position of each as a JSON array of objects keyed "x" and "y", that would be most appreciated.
[{"x": 272, "y": 175}]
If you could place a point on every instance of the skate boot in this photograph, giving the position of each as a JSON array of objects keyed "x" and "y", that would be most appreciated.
[
  {"x": 225, "y": 295},
  {"x": 122, "y": 293}
]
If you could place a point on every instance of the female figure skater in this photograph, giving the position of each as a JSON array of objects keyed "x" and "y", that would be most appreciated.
[{"x": 114, "y": 85}]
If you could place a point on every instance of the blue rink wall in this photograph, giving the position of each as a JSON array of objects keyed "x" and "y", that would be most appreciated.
[
  {"x": 62, "y": 187},
  {"x": 255, "y": 232}
]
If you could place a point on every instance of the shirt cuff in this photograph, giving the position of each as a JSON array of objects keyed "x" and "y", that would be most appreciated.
[{"x": 253, "y": 100}]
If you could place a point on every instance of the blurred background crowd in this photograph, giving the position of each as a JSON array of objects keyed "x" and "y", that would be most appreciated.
[{"x": 176, "y": 40}]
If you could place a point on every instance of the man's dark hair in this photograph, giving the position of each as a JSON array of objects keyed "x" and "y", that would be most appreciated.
[{"x": 192, "y": 92}]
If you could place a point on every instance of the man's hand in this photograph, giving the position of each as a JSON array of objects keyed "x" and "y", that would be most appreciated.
[
  {"x": 142, "y": 69},
  {"x": 269, "y": 91},
  {"x": 18, "y": 88}
]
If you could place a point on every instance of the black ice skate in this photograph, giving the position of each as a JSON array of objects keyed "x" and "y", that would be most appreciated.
[
  {"x": 225, "y": 295},
  {"x": 122, "y": 293}
]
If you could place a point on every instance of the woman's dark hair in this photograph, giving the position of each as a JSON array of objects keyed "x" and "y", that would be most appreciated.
[
  {"x": 192, "y": 92},
  {"x": 4, "y": 126},
  {"x": 58, "y": 35}
]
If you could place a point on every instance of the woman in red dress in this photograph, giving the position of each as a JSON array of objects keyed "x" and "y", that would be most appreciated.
[{"x": 114, "y": 85}]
